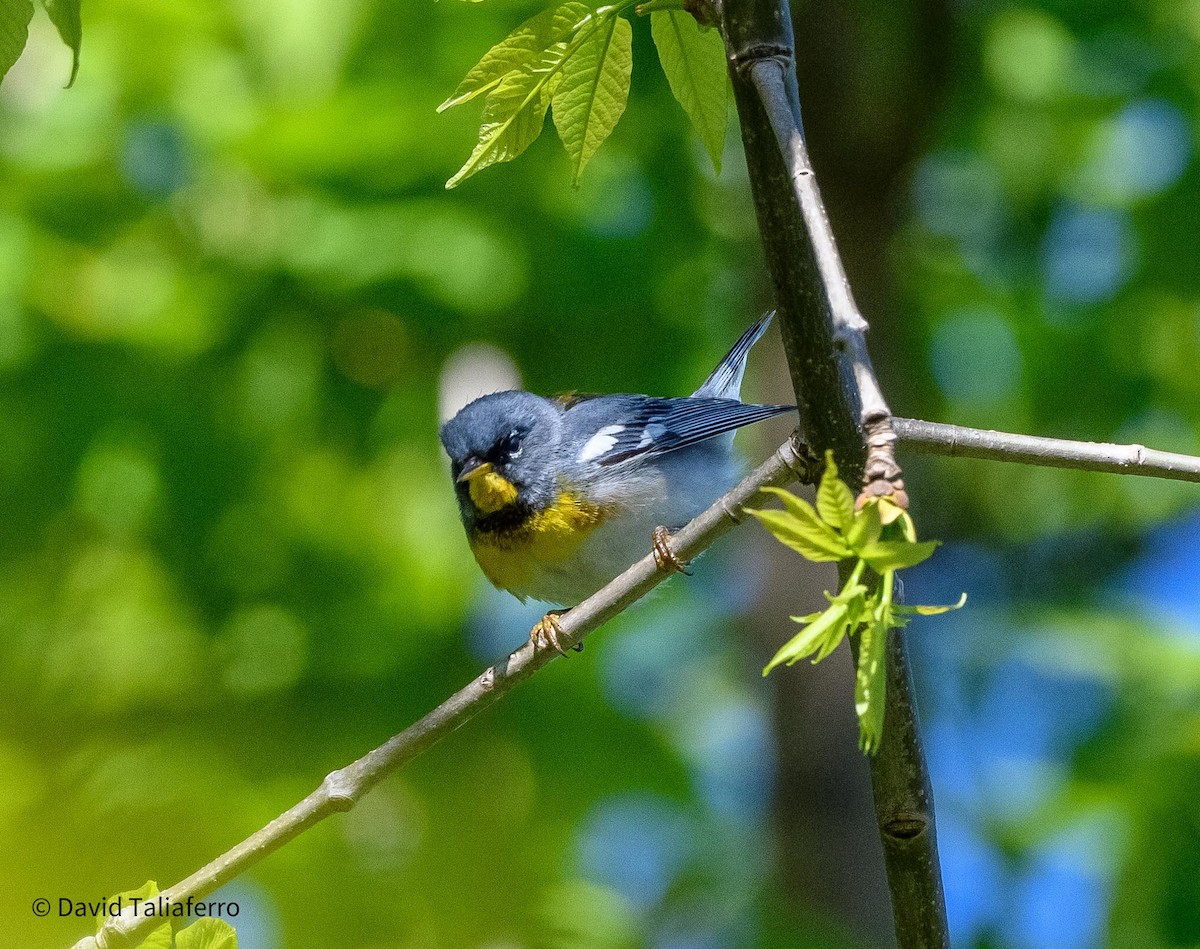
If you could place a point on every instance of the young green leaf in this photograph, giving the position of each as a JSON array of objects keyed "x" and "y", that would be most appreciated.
[
  {"x": 896, "y": 554},
  {"x": 852, "y": 591},
  {"x": 870, "y": 683},
  {"x": 521, "y": 47},
  {"x": 14, "y": 31},
  {"x": 515, "y": 112},
  {"x": 835, "y": 502},
  {"x": 865, "y": 528},
  {"x": 888, "y": 510},
  {"x": 594, "y": 89},
  {"x": 796, "y": 506},
  {"x": 917, "y": 610},
  {"x": 830, "y": 623},
  {"x": 809, "y": 537},
  {"x": 856, "y": 607},
  {"x": 207, "y": 934},
  {"x": 64, "y": 14},
  {"x": 694, "y": 63},
  {"x": 810, "y": 520}
]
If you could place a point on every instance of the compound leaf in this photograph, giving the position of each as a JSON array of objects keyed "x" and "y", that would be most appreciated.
[
  {"x": 694, "y": 63},
  {"x": 521, "y": 47},
  {"x": 870, "y": 684},
  {"x": 917, "y": 610},
  {"x": 811, "y": 538},
  {"x": 515, "y": 112},
  {"x": 896, "y": 554},
  {"x": 835, "y": 502},
  {"x": 594, "y": 89},
  {"x": 830, "y": 624}
]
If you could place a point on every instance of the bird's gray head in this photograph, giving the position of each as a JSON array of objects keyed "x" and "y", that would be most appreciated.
[{"x": 502, "y": 450}]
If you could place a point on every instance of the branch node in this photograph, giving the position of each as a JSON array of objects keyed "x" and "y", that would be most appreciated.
[
  {"x": 734, "y": 514},
  {"x": 805, "y": 464},
  {"x": 905, "y": 828},
  {"x": 339, "y": 790},
  {"x": 487, "y": 681},
  {"x": 745, "y": 60}
]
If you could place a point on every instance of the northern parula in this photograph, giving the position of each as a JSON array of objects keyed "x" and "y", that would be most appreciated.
[{"x": 559, "y": 495}]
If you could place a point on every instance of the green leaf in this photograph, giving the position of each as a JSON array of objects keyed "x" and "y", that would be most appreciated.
[
  {"x": 865, "y": 529},
  {"x": 64, "y": 14},
  {"x": 830, "y": 623},
  {"x": 807, "y": 515},
  {"x": 854, "y": 615},
  {"x": 515, "y": 112},
  {"x": 890, "y": 511},
  {"x": 14, "y": 31},
  {"x": 810, "y": 538},
  {"x": 896, "y": 554},
  {"x": 847, "y": 595},
  {"x": 917, "y": 610},
  {"x": 207, "y": 934},
  {"x": 594, "y": 89},
  {"x": 835, "y": 501},
  {"x": 870, "y": 684},
  {"x": 520, "y": 48},
  {"x": 694, "y": 63}
]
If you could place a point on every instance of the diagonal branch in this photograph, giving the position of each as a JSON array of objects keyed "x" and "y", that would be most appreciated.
[
  {"x": 937, "y": 439},
  {"x": 342, "y": 789}
]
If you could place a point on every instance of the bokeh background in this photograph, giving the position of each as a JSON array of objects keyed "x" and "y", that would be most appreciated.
[{"x": 234, "y": 301}]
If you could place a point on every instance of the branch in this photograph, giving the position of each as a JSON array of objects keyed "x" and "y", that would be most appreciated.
[
  {"x": 842, "y": 407},
  {"x": 953, "y": 440},
  {"x": 881, "y": 473},
  {"x": 341, "y": 790}
]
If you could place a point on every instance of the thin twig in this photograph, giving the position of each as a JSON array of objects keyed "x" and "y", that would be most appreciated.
[
  {"x": 953, "y": 440},
  {"x": 342, "y": 789}
]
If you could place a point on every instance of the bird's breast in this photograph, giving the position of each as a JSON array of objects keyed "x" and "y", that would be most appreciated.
[{"x": 515, "y": 555}]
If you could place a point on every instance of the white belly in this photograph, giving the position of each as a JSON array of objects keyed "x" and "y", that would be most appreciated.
[{"x": 678, "y": 491}]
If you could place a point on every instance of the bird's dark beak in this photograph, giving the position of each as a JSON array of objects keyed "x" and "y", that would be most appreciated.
[{"x": 473, "y": 468}]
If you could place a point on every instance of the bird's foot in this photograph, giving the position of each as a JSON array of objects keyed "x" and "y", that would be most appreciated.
[
  {"x": 664, "y": 556},
  {"x": 546, "y": 632}
]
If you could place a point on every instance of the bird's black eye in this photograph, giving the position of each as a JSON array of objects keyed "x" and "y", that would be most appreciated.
[{"x": 509, "y": 446}]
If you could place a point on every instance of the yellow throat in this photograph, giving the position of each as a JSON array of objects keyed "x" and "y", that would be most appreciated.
[{"x": 490, "y": 491}]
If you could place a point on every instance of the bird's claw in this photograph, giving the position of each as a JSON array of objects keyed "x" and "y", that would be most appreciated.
[
  {"x": 664, "y": 556},
  {"x": 546, "y": 632}
]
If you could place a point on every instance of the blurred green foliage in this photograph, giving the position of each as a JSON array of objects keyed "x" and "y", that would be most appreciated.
[{"x": 232, "y": 287}]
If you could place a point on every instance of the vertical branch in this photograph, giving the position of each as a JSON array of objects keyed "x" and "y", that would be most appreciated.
[{"x": 842, "y": 407}]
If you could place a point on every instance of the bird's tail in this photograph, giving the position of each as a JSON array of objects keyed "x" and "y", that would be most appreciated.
[{"x": 726, "y": 380}]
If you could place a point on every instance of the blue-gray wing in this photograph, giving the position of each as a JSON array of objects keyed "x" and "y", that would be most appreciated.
[{"x": 614, "y": 429}]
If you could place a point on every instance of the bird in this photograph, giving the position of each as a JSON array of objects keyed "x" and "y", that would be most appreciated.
[{"x": 560, "y": 494}]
